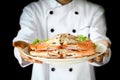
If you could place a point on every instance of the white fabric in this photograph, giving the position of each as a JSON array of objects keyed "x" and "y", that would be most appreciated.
[{"x": 36, "y": 22}]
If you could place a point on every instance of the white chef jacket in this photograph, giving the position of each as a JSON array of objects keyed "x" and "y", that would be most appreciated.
[{"x": 46, "y": 18}]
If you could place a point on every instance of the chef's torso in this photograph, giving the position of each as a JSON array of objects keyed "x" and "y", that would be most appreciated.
[
  {"x": 54, "y": 18},
  {"x": 51, "y": 18}
]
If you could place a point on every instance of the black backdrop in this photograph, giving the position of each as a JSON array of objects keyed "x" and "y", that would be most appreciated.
[{"x": 11, "y": 11}]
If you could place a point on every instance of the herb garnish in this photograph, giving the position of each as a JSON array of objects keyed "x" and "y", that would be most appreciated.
[
  {"x": 38, "y": 41},
  {"x": 81, "y": 38}
]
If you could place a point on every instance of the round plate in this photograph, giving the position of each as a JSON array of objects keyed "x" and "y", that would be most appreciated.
[{"x": 100, "y": 49}]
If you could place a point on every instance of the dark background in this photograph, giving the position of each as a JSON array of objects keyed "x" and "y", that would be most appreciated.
[{"x": 10, "y": 14}]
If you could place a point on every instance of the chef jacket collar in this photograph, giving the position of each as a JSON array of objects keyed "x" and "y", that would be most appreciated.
[{"x": 61, "y": 8}]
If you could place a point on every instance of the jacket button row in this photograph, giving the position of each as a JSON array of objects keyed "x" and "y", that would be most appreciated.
[
  {"x": 70, "y": 69},
  {"x": 52, "y": 30},
  {"x": 51, "y": 12}
]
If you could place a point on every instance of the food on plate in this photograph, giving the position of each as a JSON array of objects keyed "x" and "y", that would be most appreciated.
[{"x": 62, "y": 46}]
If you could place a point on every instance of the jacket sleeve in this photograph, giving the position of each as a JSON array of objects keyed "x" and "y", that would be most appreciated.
[
  {"x": 98, "y": 31},
  {"x": 26, "y": 33}
]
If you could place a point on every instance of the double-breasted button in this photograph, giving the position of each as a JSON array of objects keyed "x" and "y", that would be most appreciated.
[
  {"x": 70, "y": 69},
  {"x": 74, "y": 30},
  {"x": 52, "y": 30},
  {"x": 51, "y": 12},
  {"x": 76, "y": 12},
  {"x": 53, "y": 69}
]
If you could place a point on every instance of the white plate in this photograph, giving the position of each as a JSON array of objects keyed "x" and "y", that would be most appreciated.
[{"x": 100, "y": 48}]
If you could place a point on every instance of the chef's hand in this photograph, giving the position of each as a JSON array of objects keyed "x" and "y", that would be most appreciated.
[
  {"x": 21, "y": 45},
  {"x": 29, "y": 59},
  {"x": 99, "y": 59}
]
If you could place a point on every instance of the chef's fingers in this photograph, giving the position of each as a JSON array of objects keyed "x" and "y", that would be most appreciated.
[
  {"x": 20, "y": 44},
  {"x": 96, "y": 59},
  {"x": 107, "y": 44},
  {"x": 29, "y": 59},
  {"x": 99, "y": 58},
  {"x": 91, "y": 60},
  {"x": 106, "y": 54}
]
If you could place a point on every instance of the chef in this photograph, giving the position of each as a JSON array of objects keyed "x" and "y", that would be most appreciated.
[{"x": 45, "y": 18}]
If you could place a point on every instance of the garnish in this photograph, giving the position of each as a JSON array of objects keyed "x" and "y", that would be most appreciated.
[
  {"x": 95, "y": 46},
  {"x": 38, "y": 41},
  {"x": 81, "y": 38}
]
